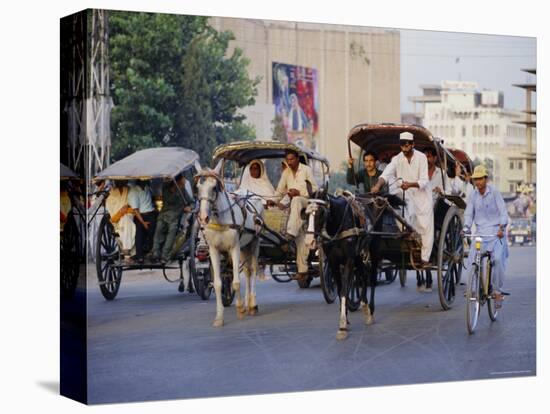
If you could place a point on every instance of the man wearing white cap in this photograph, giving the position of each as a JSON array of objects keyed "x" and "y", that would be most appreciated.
[{"x": 410, "y": 169}]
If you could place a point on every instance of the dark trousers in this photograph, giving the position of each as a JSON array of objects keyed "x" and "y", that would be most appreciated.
[{"x": 144, "y": 237}]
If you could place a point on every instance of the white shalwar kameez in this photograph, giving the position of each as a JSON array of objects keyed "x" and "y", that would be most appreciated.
[
  {"x": 125, "y": 227},
  {"x": 419, "y": 209}
]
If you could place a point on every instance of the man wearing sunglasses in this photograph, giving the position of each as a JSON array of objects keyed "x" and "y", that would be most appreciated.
[{"x": 409, "y": 171}]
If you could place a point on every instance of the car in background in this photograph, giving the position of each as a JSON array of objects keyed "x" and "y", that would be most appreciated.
[{"x": 520, "y": 231}]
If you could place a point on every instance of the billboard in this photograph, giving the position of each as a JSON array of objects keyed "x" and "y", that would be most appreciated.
[{"x": 295, "y": 96}]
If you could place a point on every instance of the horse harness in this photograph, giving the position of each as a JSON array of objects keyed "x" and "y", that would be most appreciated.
[{"x": 220, "y": 188}]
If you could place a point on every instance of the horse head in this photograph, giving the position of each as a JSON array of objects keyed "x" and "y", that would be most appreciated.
[{"x": 209, "y": 185}]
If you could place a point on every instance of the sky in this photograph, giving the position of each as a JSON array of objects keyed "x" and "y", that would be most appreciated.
[{"x": 493, "y": 61}]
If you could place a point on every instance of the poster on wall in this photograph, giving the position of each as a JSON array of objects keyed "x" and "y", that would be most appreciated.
[{"x": 295, "y": 96}]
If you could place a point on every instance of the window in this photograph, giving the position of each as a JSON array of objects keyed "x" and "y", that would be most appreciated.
[
  {"x": 485, "y": 130},
  {"x": 491, "y": 130},
  {"x": 452, "y": 131},
  {"x": 512, "y": 188},
  {"x": 497, "y": 130},
  {"x": 474, "y": 132},
  {"x": 520, "y": 165},
  {"x": 463, "y": 131},
  {"x": 511, "y": 165}
]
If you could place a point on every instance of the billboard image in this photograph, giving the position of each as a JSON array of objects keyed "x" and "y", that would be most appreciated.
[{"x": 295, "y": 96}]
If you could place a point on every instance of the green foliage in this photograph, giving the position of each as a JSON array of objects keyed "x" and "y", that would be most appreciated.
[{"x": 173, "y": 84}]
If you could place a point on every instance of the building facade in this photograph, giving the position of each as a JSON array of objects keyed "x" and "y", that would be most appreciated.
[
  {"x": 341, "y": 75},
  {"x": 477, "y": 122}
]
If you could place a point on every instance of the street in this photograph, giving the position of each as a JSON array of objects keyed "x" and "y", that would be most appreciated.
[{"x": 154, "y": 343}]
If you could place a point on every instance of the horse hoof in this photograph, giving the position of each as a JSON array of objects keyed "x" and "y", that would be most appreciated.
[
  {"x": 181, "y": 288},
  {"x": 341, "y": 335},
  {"x": 218, "y": 323},
  {"x": 253, "y": 311},
  {"x": 241, "y": 313},
  {"x": 369, "y": 320}
]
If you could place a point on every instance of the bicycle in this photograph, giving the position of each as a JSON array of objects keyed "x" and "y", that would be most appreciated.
[{"x": 479, "y": 289}]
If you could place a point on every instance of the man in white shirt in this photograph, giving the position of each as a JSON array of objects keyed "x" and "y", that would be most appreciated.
[
  {"x": 411, "y": 168},
  {"x": 293, "y": 183}
]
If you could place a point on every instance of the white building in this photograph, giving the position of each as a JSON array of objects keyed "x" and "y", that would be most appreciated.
[{"x": 477, "y": 122}]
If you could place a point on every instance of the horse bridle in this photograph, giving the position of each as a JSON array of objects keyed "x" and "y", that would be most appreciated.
[{"x": 211, "y": 200}]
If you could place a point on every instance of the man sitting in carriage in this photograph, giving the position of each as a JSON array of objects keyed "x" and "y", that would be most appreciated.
[
  {"x": 175, "y": 202},
  {"x": 294, "y": 183},
  {"x": 410, "y": 167},
  {"x": 367, "y": 176},
  {"x": 122, "y": 217}
]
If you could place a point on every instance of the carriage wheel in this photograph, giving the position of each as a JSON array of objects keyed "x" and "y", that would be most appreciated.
[
  {"x": 107, "y": 253},
  {"x": 328, "y": 284},
  {"x": 228, "y": 294},
  {"x": 283, "y": 277},
  {"x": 70, "y": 257},
  {"x": 387, "y": 276},
  {"x": 353, "y": 298},
  {"x": 402, "y": 277},
  {"x": 450, "y": 256}
]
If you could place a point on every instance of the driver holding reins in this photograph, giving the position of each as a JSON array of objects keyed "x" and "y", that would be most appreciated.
[{"x": 410, "y": 168}]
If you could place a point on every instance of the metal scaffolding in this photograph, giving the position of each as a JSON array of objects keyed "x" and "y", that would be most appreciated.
[{"x": 85, "y": 91}]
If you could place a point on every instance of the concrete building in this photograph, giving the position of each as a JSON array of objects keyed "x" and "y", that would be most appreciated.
[
  {"x": 356, "y": 69},
  {"x": 477, "y": 122}
]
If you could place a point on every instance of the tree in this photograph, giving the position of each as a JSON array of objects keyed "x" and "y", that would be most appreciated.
[{"x": 172, "y": 84}]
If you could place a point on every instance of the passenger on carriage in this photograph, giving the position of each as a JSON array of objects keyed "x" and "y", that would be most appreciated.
[
  {"x": 122, "y": 217},
  {"x": 410, "y": 167},
  {"x": 140, "y": 200},
  {"x": 64, "y": 204},
  {"x": 436, "y": 177},
  {"x": 175, "y": 202},
  {"x": 294, "y": 183},
  {"x": 463, "y": 182},
  {"x": 368, "y": 176},
  {"x": 256, "y": 182}
]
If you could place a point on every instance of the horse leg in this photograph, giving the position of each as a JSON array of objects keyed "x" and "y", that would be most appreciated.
[
  {"x": 215, "y": 261},
  {"x": 343, "y": 322},
  {"x": 236, "y": 283},
  {"x": 253, "y": 272},
  {"x": 372, "y": 274}
]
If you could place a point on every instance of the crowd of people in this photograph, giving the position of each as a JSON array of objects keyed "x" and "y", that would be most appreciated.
[{"x": 143, "y": 232}]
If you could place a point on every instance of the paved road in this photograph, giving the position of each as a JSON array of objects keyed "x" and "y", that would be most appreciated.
[{"x": 154, "y": 343}]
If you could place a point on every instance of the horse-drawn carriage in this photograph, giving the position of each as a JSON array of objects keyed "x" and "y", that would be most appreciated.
[
  {"x": 399, "y": 245},
  {"x": 276, "y": 252},
  {"x": 158, "y": 166},
  {"x": 72, "y": 223},
  {"x": 364, "y": 233}
]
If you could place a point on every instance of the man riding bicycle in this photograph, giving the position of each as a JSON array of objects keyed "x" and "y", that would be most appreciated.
[{"x": 487, "y": 210}]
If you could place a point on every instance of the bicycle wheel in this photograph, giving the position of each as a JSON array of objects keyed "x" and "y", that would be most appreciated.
[
  {"x": 472, "y": 300},
  {"x": 491, "y": 303}
]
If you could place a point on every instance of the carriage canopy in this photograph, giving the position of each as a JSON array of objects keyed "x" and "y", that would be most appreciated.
[
  {"x": 383, "y": 139},
  {"x": 65, "y": 173},
  {"x": 166, "y": 162},
  {"x": 245, "y": 151}
]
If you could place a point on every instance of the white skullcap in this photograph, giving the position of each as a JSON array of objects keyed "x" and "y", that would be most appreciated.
[{"x": 406, "y": 136}]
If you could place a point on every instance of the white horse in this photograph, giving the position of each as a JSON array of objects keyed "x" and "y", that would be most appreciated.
[{"x": 230, "y": 224}]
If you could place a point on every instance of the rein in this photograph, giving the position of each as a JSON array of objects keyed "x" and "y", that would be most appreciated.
[{"x": 340, "y": 234}]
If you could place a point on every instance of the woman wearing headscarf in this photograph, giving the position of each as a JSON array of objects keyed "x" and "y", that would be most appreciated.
[{"x": 256, "y": 181}]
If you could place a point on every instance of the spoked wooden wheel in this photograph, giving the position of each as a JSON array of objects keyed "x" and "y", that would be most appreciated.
[
  {"x": 70, "y": 257},
  {"x": 449, "y": 257},
  {"x": 328, "y": 285},
  {"x": 472, "y": 300},
  {"x": 109, "y": 274}
]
